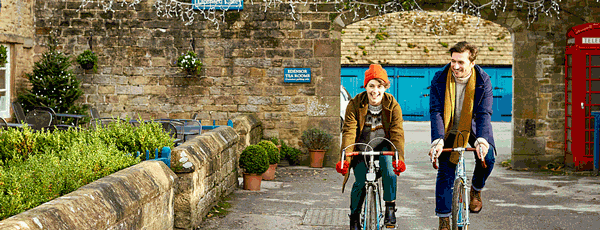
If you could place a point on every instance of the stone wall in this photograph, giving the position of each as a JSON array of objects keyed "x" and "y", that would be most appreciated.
[
  {"x": 214, "y": 172},
  {"x": 149, "y": 195},
  {"x": 244, "y": 57},
  {"x": 17, "y": 31},
  {"x": 138, "y": 197}
]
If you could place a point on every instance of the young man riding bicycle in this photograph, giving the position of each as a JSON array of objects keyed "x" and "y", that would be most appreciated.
[
  {"x": 369, "y": 115},
  {"x": 460, "y": 101}
]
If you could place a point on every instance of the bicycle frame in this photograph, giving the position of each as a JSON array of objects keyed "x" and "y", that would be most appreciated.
[{"x": 372, "y": 183}]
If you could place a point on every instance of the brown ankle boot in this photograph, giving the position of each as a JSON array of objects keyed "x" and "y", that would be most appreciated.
[
  {"x": 444, "y": 223},
  {"x": 475, "y": 203}
]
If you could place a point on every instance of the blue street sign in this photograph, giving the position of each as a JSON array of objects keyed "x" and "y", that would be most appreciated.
[
  {"x": 218, "y": 4},
  {"x": 296, "y": 75}
]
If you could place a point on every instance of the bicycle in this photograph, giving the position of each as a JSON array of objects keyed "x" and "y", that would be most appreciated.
[
  {"x": 372, "y": 215},
  {"x": 460, "y": 199}
]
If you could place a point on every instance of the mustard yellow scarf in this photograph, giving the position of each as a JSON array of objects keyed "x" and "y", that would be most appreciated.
[{"x": 466, "y": 113}]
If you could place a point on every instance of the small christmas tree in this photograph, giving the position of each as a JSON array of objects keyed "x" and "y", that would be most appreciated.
[{"x": 53, "y": 84}]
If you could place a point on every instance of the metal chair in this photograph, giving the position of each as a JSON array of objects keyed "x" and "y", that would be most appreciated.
[
  {"x": 102, "y": 121},
  {"x": 39, "y": 119},
  {"x": 170, "y": 129},
  {"x": 3, "y": 123},
  {"x": 19, "y": 113}
]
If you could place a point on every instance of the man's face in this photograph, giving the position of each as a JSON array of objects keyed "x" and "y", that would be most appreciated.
[
  {"x": 375, "y": 92},
  {"x": 460, "y": 64}
]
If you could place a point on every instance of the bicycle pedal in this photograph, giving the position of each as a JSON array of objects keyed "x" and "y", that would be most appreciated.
[{"x": 390, "y": 226}]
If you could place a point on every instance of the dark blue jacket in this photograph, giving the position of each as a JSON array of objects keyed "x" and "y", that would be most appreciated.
[{"x": 481, "y": 125}]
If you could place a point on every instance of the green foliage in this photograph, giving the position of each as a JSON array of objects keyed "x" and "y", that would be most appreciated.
[
  {"x": 275, "y": 140},
  {"x": 315, "y": 138},
  {"x": 425, "y": 49},
  {"x": 88, "y": 58},
  {"x": 411, "y": 45},
  {"x": 53, "y": 84},
  {"x": 491, "y": 48},
  {"x": 36, "y": 167},
  {"x": 254, "y": 159},
  {"x": 444, "y": 44},
  {"x": 382, "y": 35},
  {"x": 361, "y": 47},
  {"x": 290, "y": 153},
  {"x": 3, "y": 55},
  {"x": 364, "y": 53},
  {"x": 271, "y": 150},
  {"x": 190, "y": 62}
]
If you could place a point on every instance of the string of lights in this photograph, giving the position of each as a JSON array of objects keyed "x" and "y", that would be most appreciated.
[{"x": 188, "y": 12}]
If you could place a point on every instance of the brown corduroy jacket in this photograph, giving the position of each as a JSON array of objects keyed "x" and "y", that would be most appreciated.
[{"x": 356, "y": 113}]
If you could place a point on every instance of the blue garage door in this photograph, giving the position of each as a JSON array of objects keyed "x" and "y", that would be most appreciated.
[{"x": 410, "y": 87}]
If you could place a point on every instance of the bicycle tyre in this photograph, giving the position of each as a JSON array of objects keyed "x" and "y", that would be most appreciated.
[
  {"x": 458, "y": 203},
  {"x": 371, "y": 215}
]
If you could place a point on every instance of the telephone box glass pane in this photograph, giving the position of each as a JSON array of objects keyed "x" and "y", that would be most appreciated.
[
  {"x": 569, "y": 73},
  {"x": 570, "y": 101},
  {"x": 568, "y": 121},
  {"x": 569, "y": 87},
  {"x": 569, "y": 60},
  {"x": 595, "y": 98},
  {"x": 595, "y": 73},
  {"x": 595, "y": 60},
  {"x": 595, "y": 85}
]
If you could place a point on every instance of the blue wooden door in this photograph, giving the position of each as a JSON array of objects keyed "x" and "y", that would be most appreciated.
[
  {"x": 501, "y": 78},
  {"x": 410, "y": 88},
  {"x": 352, "y": 79}
]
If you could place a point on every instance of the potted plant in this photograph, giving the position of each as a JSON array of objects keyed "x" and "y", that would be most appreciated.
[
  {"x": 190, "y": 63},
  {"x": 88, "y": 60},
  {"x": 276, "y": 141},
  {"x": 318, "y": 142},
  {"x": 3, "y": 55},
  {"x": 273, "y": 154},
  {"x": 255, "y": 162}
]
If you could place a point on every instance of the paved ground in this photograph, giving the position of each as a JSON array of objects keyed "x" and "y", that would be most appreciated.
[{"x": 308, "y": 198}]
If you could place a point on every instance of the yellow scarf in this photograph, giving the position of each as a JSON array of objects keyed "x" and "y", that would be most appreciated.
[{"x": 466, "y": 113}]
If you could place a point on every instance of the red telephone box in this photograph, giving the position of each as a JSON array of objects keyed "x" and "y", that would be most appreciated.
[{"x": 582, "y": 94}]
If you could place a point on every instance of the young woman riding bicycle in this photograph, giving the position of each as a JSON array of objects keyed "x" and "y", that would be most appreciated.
[{"x": 369, "y": 115}]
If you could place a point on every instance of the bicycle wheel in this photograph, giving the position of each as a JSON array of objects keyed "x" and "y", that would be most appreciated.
[
  {"x": 459, "y": 207},
  {"x": 371, "y": 213}
]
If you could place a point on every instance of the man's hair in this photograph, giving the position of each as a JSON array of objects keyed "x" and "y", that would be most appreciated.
[
  {"x": 382, "y": 82},
  {"x": 465, "y": 46}
]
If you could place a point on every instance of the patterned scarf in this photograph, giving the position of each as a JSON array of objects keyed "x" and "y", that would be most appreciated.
[{"x": 466, "y": 113}]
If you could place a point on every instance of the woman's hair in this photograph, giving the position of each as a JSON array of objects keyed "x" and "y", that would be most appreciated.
[
  {"x": 465, "y": 46},
  {"x": 382, "y": 82}
]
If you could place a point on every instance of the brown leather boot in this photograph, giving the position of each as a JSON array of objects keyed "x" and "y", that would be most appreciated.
[
  {"x": 444, "y": 223},
  {"x": 475, "y": 203}
]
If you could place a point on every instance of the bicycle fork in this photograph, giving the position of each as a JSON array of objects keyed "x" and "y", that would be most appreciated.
[{"x": 463, "y": 214}]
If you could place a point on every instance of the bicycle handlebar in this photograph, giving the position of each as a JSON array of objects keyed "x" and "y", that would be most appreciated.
[
  {"x": 371, "y": 153},
  {"x": 460, "y": 149}
]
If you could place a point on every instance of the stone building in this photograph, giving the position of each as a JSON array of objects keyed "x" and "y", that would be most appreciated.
[{"x": 245, "y": 54}]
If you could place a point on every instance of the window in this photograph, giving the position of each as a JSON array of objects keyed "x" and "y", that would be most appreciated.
[{"x": 5, "y": 86}]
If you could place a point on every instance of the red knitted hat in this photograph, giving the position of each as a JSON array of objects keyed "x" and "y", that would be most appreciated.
[{"x": 375, "y": 71}]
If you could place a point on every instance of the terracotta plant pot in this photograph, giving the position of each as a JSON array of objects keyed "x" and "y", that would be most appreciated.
[
  {"x": 316, "y": 158},
  {"x": 270, "y": 173},
  {"x": 252, "y": 181}
]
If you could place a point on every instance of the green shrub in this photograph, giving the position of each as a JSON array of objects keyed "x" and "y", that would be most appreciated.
[
  {"x": 254, "y": 159},
  {"x": 271, "y": 150},
  {"x": 315, "y": 138},
  {"x": 36, "y": 167},
  {"x": 290, "y": 153}
]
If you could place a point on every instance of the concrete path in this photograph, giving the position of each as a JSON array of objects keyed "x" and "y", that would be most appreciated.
[{"x": 308, "y": 198}]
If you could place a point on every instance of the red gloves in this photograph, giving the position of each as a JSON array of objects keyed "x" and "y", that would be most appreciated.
[
  {"x": 339, "y": 169},
  {"x": 399, "y": 167}
]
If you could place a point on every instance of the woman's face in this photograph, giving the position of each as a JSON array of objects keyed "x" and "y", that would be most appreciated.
[{"x": 375, "y": 92}]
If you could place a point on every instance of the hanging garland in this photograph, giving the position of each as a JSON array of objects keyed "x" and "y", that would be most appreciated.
[{"x": 187, "y": 12}]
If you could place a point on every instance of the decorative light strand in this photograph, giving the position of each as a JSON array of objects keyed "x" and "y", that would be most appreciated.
[{"x": 186, "y": 12}]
